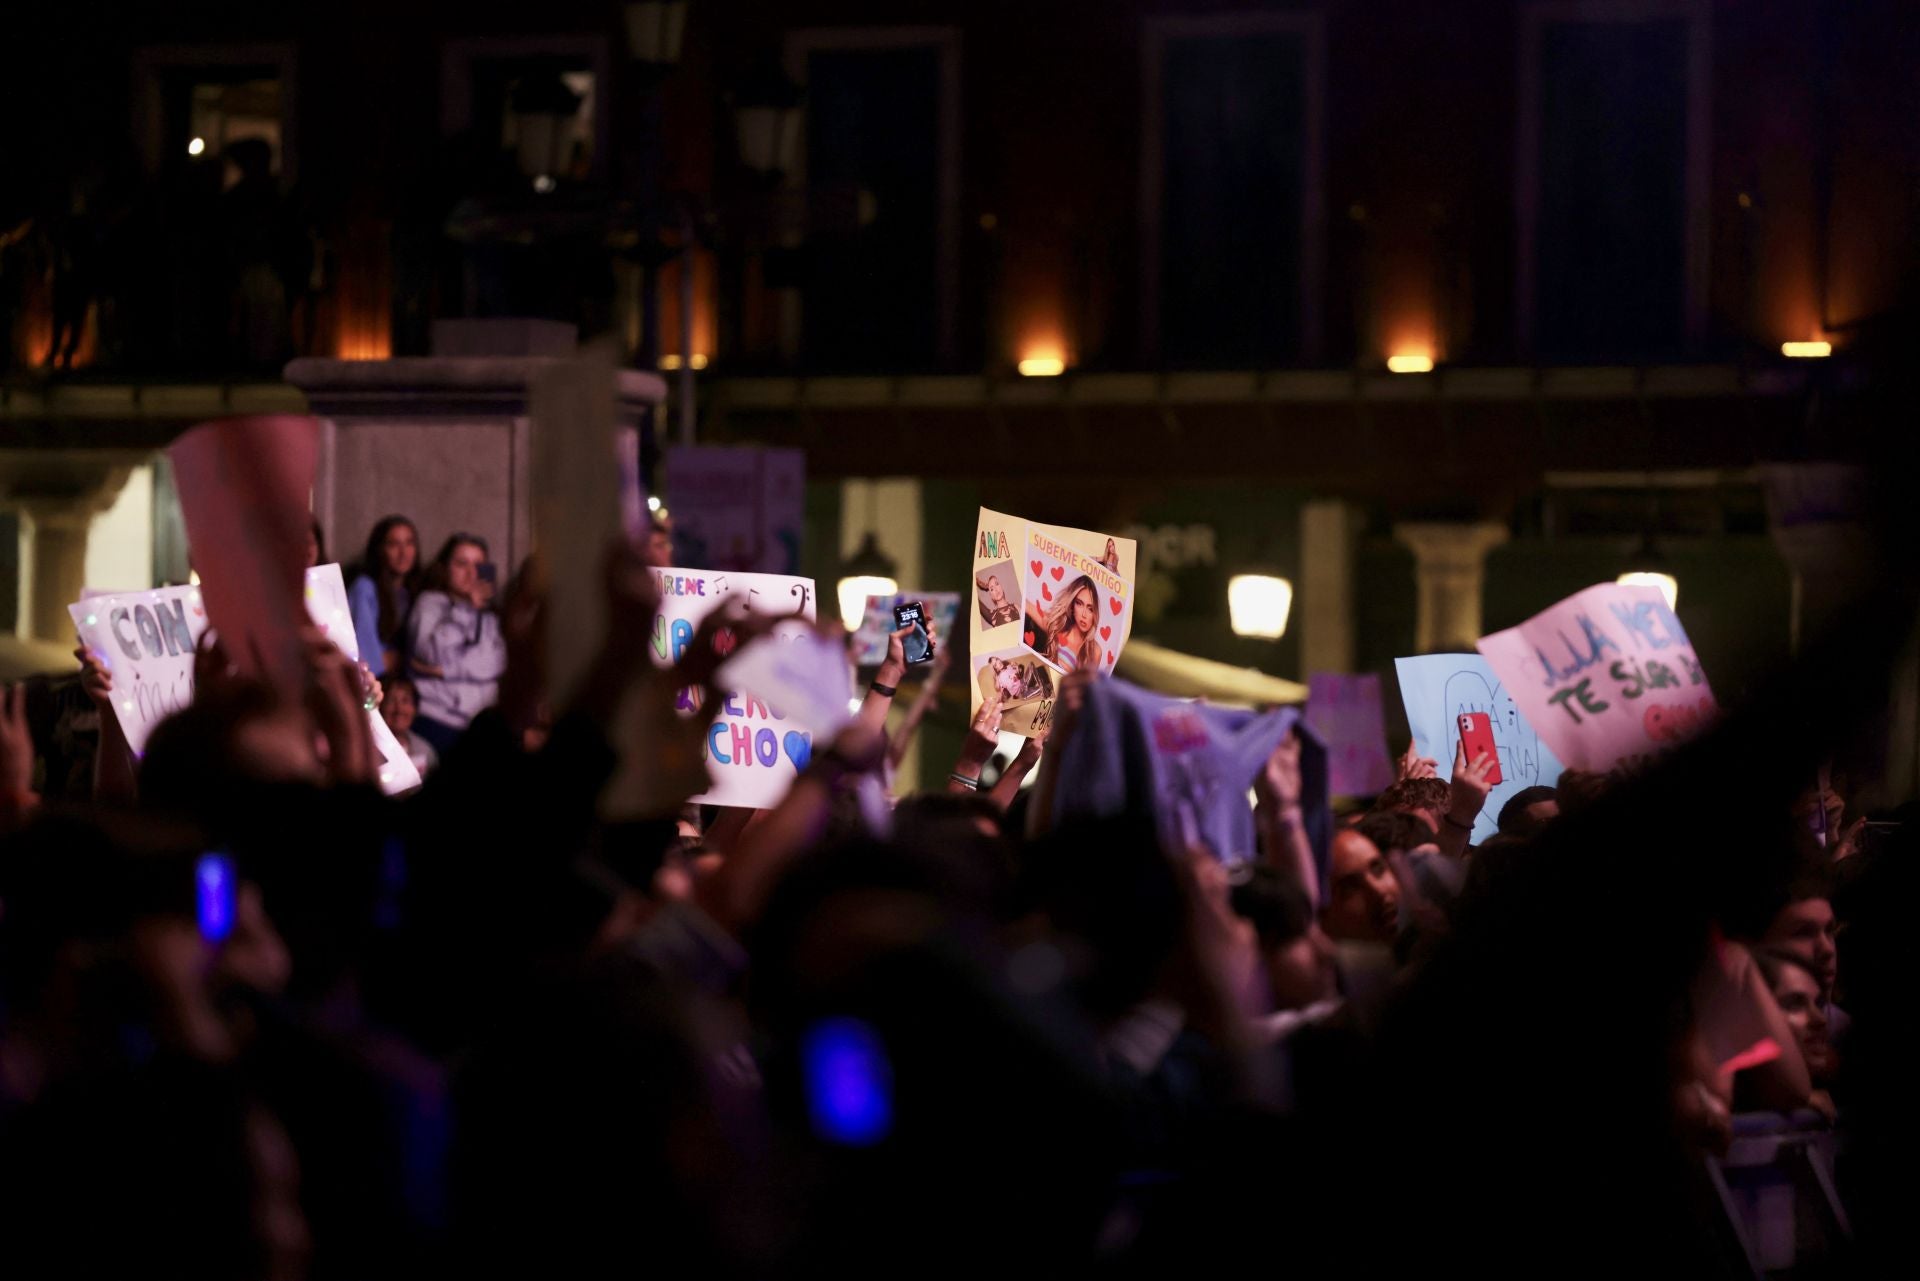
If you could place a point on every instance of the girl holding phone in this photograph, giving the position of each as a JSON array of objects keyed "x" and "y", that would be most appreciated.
[{"x": 455, "y": 649}]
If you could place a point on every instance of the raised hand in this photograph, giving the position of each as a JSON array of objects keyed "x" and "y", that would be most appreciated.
[
  {"x": 16, "y": 745},
  {"x": 1279, "y": 783},
  {"x": 1413, "y": 765},
  {"x": 1467, "y": 790}
]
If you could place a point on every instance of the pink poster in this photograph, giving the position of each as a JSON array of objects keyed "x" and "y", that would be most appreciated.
[
  {"x": 1607, "y": 677},
  {"x": 1345, "y": 712},
  {"x": 245, "y": 485}
]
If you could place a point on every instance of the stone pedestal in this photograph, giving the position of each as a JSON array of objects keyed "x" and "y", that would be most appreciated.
[
  {"x": 443, "y": 440},
  {"x": 1450, "y": 562}
]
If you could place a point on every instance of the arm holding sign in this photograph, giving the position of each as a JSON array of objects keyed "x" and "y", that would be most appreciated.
[
  {"x": 1281, "y": 819},
  {"x": 737, "y": 890},
  {"x": 17, "y": 798},
  {"x": 113, "y": 776},
  {"x": 983, "y": 736},
  {"x": 1016, "y": 772}
]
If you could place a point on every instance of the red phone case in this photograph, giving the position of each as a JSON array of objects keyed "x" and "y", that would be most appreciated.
[{"x": 1476, "y": 735}]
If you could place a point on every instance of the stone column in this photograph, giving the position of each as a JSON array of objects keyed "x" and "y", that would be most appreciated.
[
  {"x": 1814, "y": 513},
  {"x": 1326, "y": 587},
  {"x": 1450, "y": 575}
]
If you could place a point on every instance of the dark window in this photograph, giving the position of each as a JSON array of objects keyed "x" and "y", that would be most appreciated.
[
  {"x": 1233, "y": 145},
  {"x": 1610, "y": 278},
  {"x": 873, "y": 127}
]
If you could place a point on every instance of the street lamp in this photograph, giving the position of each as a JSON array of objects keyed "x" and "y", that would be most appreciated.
[
  {"x": 543, "y": 108},
  {"x": 868, "y": 572},
  {"x": 1259, "y": 604},
  {"x": 766, "y": 120},
  {"x": 655, "y": 30}
]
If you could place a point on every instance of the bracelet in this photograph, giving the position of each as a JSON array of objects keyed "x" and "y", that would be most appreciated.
[
  {"x": 971, "y": 784},
  {"x": 1451, "y": 821},
  {"x": 884, "y": 691}
]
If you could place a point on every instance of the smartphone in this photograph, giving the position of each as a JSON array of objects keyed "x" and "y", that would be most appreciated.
[
  {"x": 918, "y": 645},
  {"x": 489, "y": 572},
  {"x": 214, "y": 896},
  {"x": 1476, "y": 735}
]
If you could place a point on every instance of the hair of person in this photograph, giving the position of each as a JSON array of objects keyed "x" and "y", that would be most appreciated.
[
  {"x": 1394, "y": 830},
  {"x": 1431, "y": 793},
  {"x": 1060, "y": 621},
  {"x": 1278, "y": 910},
  {"x": 1775, "y": 961},
  {"x": 1514, "y": 819},
  {"x": 373, "y": 563},
  {"x": 399, "y": 681},
  {"x": 436, "y": 576},
  {"x": 1414, "y": 794}
]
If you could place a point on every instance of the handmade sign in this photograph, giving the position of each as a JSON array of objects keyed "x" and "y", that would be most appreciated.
[
  {"x": 1185, "y": 766},
  {"x": 1047, "y": 600},
  {"x": 1344, "y": 712},
  {"x": 148, "y": 640},
  {"x": 1608, "y": 677},
  {"x": 737, "y": 508},
  {"x": 754, "y": 748},
  {"x": 870, "y": 642},
  {"x": 1437, "y": 689}
]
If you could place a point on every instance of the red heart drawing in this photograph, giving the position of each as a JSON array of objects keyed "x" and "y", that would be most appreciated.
[
  {"x": 1113, "y": 603},
  {"x": 1026, "y": 638},
  {"x": 1106, "y": 632},
  {"x": 1036, "y": 567},
  {"x": 1046, "y": 593},
  {"x": 1058, "y": 573},
  {"x": 1110, "y": 658}
]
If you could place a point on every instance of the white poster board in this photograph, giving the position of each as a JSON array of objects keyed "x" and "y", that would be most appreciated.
[
  {"x": 754, "y": 749},
  {"x": 148, "y": 639}
]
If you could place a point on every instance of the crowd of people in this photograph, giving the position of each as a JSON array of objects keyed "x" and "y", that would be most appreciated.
[{"x": 258, "y": 1020}]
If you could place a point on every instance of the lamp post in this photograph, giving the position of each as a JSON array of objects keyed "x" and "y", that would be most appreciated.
[
  {"x": 868, "y": 572},
  {"x": 542, "y": 107},
  {"x": 766, "y": 122},
  {"x": 655, "y": 30}
]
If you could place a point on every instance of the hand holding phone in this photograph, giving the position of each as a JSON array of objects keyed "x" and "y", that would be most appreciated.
[
  {"x": 1476, "y": 737},
  {"x": 916, "y": 645}
]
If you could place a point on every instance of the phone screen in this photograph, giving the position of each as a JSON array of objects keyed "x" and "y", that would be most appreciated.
[
  {"x": 489, "y": 572},
  {"x": 1476, "y": 735},
  {"x": 214, "y": 896},
  {"x": 917, "y": 645}
]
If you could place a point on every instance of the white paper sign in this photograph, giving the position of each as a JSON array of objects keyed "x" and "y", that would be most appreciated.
[
  {"x": 148, "y": 640},
  {"x": 755, "y": 747}
]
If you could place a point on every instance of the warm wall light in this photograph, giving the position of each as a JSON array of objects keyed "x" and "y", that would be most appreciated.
[
  {"x": 672, "y": 361},
  {"x": 1410, "y": 364},
  {"x": 1806, "y": 350},
  {"x": 1042, "y": 367},
  {"x": 196, "y": 146},
  {"x": 1259, "y": 605},
  {"x": 1669, "y": 585}
]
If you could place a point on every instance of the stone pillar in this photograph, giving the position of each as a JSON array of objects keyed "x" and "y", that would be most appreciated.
[
  {"x": 1814, "y": 513},
  {"x": 445, "y": 440},
  {"x": 1450, "y": 575},
  {"x": 1326, "y": 587},
  {"x": 59, "y": 494}
]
